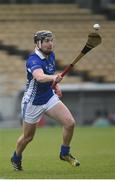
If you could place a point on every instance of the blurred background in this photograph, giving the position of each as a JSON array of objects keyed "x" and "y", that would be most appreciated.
[{"x": 89, "y": 89}]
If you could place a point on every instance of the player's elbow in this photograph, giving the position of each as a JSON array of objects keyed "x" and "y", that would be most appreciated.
[
  {"x": 40, "y": 79},
  {"x": 39, "y": 75}
]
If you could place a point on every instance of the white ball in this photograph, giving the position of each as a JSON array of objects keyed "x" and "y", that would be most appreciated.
[{"x": 96, "y": 26}]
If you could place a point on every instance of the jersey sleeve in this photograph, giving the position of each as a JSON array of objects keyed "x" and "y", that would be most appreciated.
[{"x": 33, "y": 63}]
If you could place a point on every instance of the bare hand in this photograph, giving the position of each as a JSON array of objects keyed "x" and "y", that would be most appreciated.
[
  {"x": 58, "y": 90},
  {"x": 58, "y": 78}
]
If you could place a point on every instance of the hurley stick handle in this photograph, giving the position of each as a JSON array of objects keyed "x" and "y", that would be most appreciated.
[
  {"x": 94, "y": 39},
  {"x": 66, "y": 70}
]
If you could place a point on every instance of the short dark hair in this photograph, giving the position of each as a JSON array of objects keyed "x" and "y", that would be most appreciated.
[{"x": 41, "y": 35}]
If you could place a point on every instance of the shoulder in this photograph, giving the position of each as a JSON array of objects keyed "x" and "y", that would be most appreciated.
[
  {"x": 33, "y": 62},
  {"x": 52, "y": 56},
  {"x": 33, "y": 59},
  {"x": 32, "y": 56}
]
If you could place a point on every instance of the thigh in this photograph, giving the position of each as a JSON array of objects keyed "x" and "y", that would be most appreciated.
[
  {"x": 31, "y": 113},
  {"x": 29, "y": 129},
  {"x": 61, "y": 113}
]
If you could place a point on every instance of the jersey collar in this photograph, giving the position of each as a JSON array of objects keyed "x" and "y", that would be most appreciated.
[{"x": 37, "y": 51}]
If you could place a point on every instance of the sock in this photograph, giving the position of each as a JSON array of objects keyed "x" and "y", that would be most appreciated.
[
  {"x": 64, "y": 150},
  {"x": 16, "y": 158}
]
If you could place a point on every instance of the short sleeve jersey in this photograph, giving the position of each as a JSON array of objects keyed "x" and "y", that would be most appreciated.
[{"x": 36, "y": 92}]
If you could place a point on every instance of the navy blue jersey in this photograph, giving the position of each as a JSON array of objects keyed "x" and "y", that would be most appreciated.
[{"x": 36, "y": 92}]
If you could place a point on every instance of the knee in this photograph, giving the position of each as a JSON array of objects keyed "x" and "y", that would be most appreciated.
[
  {"x": 71, "y": 124},
  {"x": 28, "y": 139}
]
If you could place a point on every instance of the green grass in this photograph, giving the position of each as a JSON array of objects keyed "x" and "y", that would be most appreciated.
[{"x": 95, "y": 148}]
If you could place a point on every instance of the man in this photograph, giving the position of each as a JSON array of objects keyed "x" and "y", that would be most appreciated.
[{"x": 39, "y": 99}]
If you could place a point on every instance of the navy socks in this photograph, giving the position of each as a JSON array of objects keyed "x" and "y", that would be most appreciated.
[
  {"x": 16, "y": 158},
  {"x": 64, "y": 150}
]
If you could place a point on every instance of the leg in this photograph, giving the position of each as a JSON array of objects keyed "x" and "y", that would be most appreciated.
[
  {"x": 61, "y": 113},
  {"x": 24, "y": 139}
]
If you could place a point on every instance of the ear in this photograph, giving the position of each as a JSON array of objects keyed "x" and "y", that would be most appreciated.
[{"x": 39, "y": 44}]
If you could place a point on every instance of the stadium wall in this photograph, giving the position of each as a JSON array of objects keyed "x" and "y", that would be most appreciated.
[
  {"x": 82, "y": 99},
  {"x": 7, "y": 107},
  {"x": 85, "y": 99},
  {"x": 36, "y": 1}
]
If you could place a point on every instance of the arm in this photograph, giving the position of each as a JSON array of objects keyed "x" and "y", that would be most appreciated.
[
  {"x": 58, "y": 90},
  {"x": 39, "y": 75}
]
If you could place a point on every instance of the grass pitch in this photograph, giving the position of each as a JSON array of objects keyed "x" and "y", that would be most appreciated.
[{"x": 94, "y": 147}]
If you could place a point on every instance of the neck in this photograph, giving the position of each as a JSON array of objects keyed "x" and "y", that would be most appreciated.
[{"x": 46, "y": 55}]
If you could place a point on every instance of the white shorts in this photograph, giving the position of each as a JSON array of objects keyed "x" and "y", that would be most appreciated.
[{"x": 32, "y": 114}]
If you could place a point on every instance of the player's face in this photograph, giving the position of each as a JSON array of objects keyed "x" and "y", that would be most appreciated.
[{"x": 47, "y": 45}]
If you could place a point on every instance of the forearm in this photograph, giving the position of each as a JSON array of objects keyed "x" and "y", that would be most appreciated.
[
  {"x": 39, "y": 75},
  {"x": 44, "y": 78}
]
